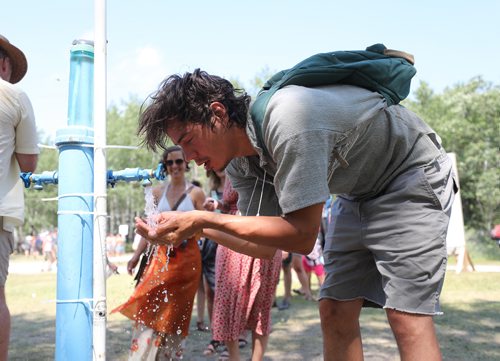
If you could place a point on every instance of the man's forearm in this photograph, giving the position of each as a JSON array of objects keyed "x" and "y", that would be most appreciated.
[
  {"x": 295, "y": 232},
  {"x": 239, "y": 245}
]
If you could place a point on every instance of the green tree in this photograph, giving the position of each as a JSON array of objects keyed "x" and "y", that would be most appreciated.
[
  {"x": 467, "y": 117},
  {"x": 41, "y": 205}
]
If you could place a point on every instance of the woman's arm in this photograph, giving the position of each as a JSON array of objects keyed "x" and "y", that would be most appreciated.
[
  {"x": 198, "y": 198},
  {"x": 132, "y": 263}
]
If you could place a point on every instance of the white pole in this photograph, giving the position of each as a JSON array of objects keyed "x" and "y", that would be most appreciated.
[{"x": 100, "y": 311}]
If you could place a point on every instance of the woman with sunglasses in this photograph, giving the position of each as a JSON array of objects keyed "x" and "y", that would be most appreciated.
[{"x": 162, "y": 301}]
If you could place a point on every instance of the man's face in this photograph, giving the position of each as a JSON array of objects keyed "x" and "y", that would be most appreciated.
[{"x": 204, "y": 144}]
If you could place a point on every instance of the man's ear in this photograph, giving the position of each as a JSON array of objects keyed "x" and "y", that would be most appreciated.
[
  {"x": 4, "y": 68},
  {"x": 219, "y": 110}
]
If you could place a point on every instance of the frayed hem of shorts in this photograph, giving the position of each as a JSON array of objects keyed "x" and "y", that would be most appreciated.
[
  {"x": 340, "y": 299},
  {"x": 414, "y": 312}
]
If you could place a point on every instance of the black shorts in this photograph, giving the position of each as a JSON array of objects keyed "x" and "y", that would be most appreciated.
[{"x": 208, "y": 251}]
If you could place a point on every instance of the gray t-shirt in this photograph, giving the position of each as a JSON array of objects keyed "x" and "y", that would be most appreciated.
[{"x": 337, "y": 139}]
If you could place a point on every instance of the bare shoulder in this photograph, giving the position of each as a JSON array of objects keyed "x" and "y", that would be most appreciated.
[
  {"x": 197, "y": 193},
  {"x": 198, "y": 197},
  {"x": 158, "y": 190}
]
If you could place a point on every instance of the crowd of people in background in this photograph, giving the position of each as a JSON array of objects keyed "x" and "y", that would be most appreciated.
[
  {"x": 43, "y": 246},
  {"x": 115, "y": 244},
  {"x": 38, "y": 246}
]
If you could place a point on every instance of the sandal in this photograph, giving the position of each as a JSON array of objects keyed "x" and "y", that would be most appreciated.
[
  {"x": 242, "y": 343},
  {"x": 285, "y": 305},
  {"x": 179, "y": 355},
  {"x": 224, "y": 356},
  {"x": 299, "y": 292},
  {"x": 212, "y": 348},
  {"x": 200, "y": 326}
]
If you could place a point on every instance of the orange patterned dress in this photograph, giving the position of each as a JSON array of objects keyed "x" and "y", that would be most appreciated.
[{"x": 163, "y": 299}]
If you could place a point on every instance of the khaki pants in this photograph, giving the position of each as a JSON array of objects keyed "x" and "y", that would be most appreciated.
[{"x": 6, "y": 249}]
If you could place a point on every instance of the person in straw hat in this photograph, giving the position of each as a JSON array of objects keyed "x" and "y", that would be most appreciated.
[{"x": 18, "y": 152}]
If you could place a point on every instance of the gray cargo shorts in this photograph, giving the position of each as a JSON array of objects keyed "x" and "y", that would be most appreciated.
[
  {"x": 391, "y": 250},
  {"x": 6, "y": 249}
]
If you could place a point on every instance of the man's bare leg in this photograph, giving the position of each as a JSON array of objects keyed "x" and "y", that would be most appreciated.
[
  {"x": 341, "y": 332},
  {"x": 5, "y": 326},
  {"x": 415, "y": 335}
]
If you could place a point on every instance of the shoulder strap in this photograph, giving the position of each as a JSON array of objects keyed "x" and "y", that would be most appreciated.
[{"x": 179, "y": 201}]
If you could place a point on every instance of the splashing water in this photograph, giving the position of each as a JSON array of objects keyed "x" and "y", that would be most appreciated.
[
  {"x": 150, "y": 208},
  {"x": 151, "y": 211}
]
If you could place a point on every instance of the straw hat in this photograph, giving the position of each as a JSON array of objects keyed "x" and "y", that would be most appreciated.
[{"x": 17, "y": 59}]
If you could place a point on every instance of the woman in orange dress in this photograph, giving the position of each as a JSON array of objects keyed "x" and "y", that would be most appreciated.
[{"x": 162, "y": 301}]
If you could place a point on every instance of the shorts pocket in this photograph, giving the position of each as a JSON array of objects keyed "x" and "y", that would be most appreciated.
[{"x": 438, "y": 182}]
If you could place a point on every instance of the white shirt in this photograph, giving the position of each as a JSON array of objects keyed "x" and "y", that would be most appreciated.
[{"x": 17, "y": 135}]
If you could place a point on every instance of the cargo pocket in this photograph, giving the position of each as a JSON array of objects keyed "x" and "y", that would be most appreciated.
[{"x": 439, "y": 182}]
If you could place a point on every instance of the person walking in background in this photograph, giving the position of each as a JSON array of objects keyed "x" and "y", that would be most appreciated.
[
  {"x": 244, "y": 292},
  {"x": 292, "y": 260},
  {"x": 18, "y": 153},
  {"x": 49, "y": 249},
  {"x": 162, "y": 301},
  {"x": 208, "y": 249},
  {"x": 313, "y": 263},
  {"x": 216, "y": 181}
]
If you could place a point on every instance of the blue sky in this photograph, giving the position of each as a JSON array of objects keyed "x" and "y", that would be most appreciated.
[{"x": 452, "y": 40}]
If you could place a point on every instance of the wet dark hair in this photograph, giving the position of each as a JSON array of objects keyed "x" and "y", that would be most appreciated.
[
  {"x": 168, "y": 150},
  {"x": 186, "y": 99}
]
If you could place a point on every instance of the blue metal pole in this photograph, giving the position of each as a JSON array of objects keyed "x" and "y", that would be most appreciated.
[{"x": 75, "y": 212}]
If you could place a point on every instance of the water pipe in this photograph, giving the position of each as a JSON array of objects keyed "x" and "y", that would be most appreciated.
[
  {"x": 38, "y": 180},
  {"x": 136, "y": 174},
  {"x": 145, "y": 176},
  {"x": 74, "y": 305}
]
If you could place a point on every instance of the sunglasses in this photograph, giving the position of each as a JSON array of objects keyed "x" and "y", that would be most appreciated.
[{"x": 171, "y": 162}]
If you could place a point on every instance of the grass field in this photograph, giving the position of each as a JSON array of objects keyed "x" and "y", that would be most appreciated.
[{"x": 469, "y": 330}]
